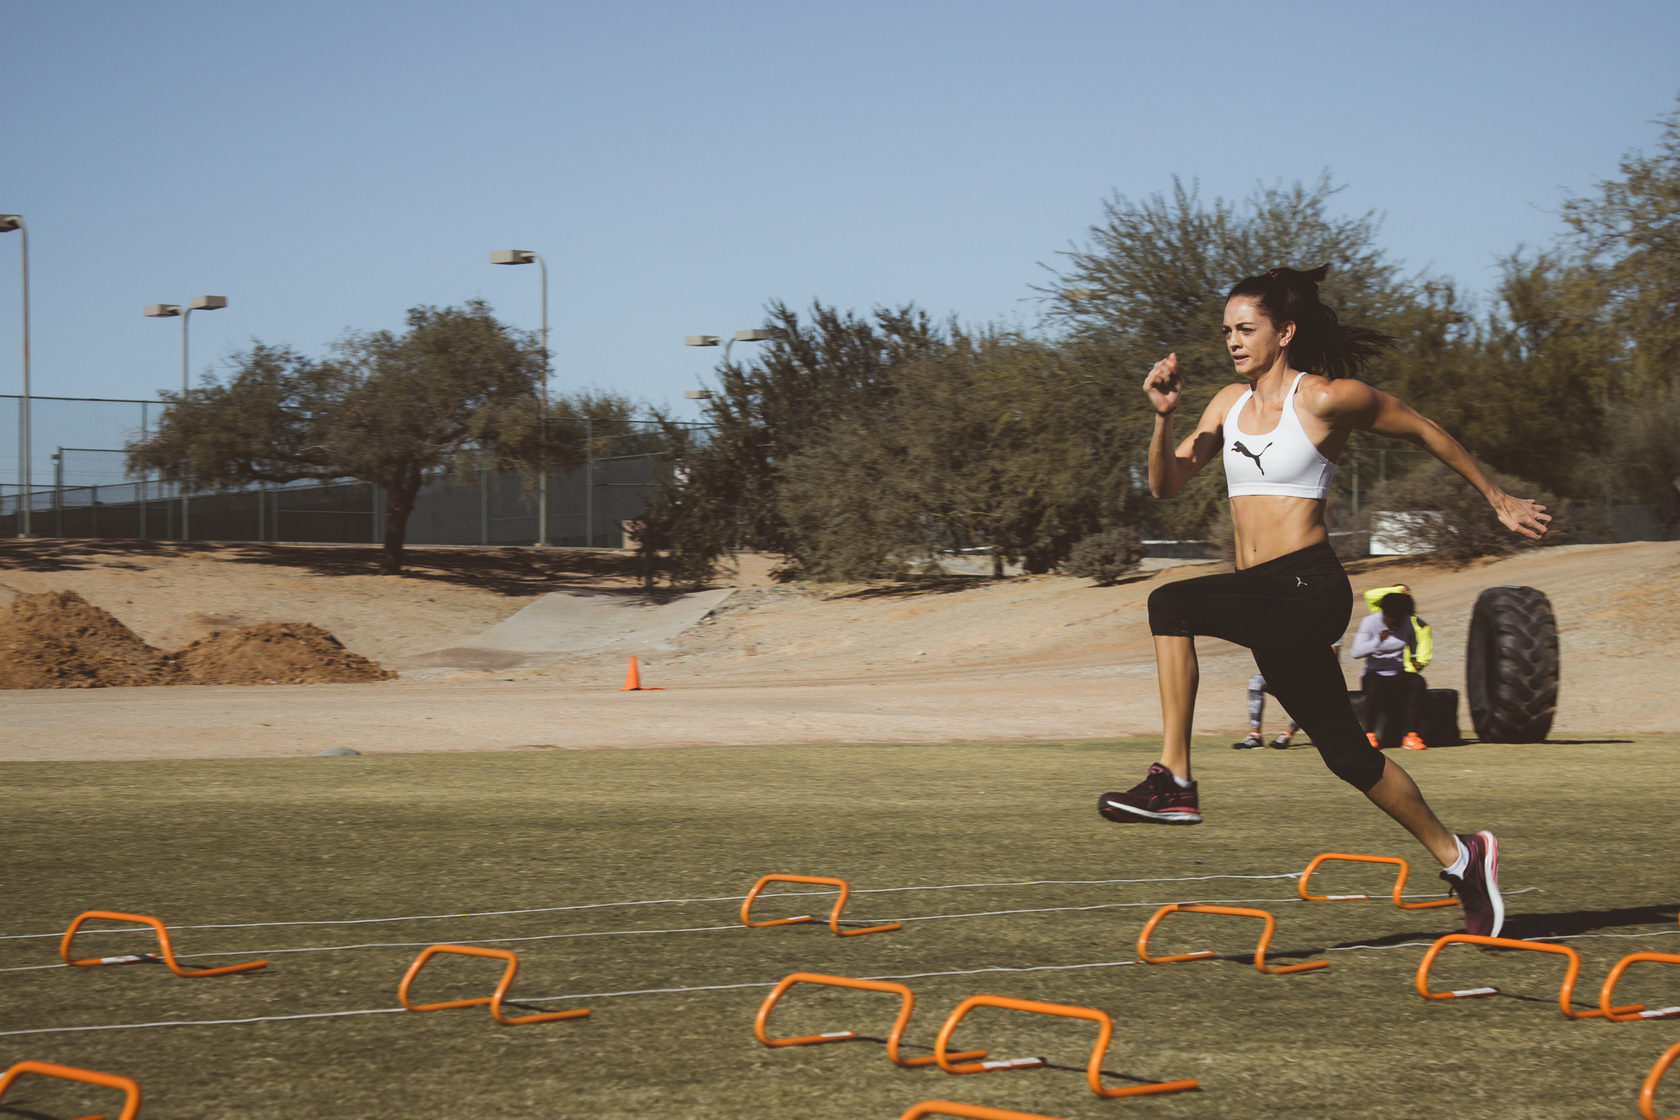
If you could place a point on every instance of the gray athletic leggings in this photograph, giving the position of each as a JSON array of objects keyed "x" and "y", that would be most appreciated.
[
  {"x": 1287, "y": 611},
  {"x": 1257, "y": 690}
]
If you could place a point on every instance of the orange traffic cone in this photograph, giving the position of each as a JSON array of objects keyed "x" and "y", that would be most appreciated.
[{"x": 633, "y": 680}]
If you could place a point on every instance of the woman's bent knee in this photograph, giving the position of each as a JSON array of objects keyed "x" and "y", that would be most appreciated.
[
  {"x": 1167, "y": 616},
  {"x": 1360, "y": 767}
]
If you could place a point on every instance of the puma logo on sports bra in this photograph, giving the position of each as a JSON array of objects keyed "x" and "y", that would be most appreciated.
[
  {"x": 1299, "y": 469},
  {"x": 1255, "y": 455}
]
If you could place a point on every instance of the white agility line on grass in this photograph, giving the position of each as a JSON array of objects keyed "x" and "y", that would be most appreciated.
[
  {"x": 756, "y": 984},
  {"x": 684, "y": 929},
  {"x": 653, "y": 902},
  {"x": 717, "y": 929}
]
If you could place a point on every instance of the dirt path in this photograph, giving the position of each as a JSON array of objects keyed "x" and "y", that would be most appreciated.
[{"x": 1033, "y": 658}]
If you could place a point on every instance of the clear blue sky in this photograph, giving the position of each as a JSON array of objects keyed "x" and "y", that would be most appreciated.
[{"x": 327, "y": 165}]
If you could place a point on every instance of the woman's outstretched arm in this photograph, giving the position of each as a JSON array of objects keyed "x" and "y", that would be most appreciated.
[{"x": 1355, "y": 405}]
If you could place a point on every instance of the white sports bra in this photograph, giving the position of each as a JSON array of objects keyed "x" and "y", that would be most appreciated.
[{"x": 1283, "y": 461}]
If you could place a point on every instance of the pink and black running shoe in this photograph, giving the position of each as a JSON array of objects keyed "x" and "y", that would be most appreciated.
[
  {"x": 1478, "y": 887},
  {"x": 1158, "y": 799}
]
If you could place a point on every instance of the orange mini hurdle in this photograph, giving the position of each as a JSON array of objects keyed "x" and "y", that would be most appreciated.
[
  {"x": 1635, "y": 1010},
  {"x": 1564, "y": 993},
  {"x": 1648, "y": 1091},
  {"x": 163, "y": 945},
  {"x": 1399, "y": 881},
  {"x": 1198, "y": 908},
  {"x": 494, "y": 999},
  {"x": 971, "y": 1111},
  {"x": 130, "y": 1091},
  {"x": 1093, "y": 1070},
  {"x": 906, "y": 1006},
  {"x": 833, "y": 915}
]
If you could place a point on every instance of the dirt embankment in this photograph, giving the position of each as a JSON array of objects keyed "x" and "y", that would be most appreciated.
[
  {"x": 57, "y": 639},
  {"x": 1034, "y": 658}
]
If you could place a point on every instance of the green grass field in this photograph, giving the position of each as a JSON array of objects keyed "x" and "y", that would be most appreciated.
[{"x": 1589, "y": 834}]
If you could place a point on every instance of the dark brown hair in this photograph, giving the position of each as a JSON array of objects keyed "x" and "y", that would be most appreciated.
[{"x": 1321, "y": 343}]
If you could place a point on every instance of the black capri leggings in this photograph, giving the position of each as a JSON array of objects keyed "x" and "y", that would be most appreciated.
[{"x": 1288, "y": 611}]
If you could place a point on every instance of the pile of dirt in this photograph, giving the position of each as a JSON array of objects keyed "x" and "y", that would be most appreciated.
[
  {"x": 57, "y": 639},
  {"x": 275, "y": 653}
]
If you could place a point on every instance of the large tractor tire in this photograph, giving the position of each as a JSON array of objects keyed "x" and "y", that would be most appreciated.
[{"x": 1512, "y": 668}]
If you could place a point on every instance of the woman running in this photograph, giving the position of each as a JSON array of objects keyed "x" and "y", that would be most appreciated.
[{"x": 1281, "y": 433}]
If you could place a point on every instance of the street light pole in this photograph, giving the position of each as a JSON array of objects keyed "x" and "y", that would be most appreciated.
[
  {"x": 169, "y": 311},
  {"x": 8, "y": 223},
  {"x": 526, "y": 256}
]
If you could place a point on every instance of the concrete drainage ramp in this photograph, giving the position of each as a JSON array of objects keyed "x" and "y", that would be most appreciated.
[{"x": 564, "y": 623}]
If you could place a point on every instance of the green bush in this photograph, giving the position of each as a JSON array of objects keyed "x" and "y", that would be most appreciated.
[
  {"x": 1107, "y": 557},
  {"x": 1451, "y": 521}
]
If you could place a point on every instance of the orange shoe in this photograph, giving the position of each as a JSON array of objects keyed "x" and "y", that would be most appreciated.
[
  {"x": 1412, "y": 743},
  {"x": 1371, "y": 737}
]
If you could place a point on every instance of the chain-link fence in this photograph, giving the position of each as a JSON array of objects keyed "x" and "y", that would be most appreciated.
[
  {"x": 79, "y": 488},
  {"x": 586, "y": 507}
]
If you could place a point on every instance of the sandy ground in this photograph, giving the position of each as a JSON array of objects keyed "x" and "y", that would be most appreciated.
[{"x": 969, "y": 659}]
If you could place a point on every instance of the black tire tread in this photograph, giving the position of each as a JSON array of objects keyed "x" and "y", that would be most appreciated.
[{"x": 1512, "y": 670}]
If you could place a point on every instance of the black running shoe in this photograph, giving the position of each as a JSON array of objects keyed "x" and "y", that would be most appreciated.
[
  {"x": 1478, "y": 888},
  {"x": 1157, "y": 799},
  {"x": 1281, "y": 743},
  {"x": 1252, "y": 743}
]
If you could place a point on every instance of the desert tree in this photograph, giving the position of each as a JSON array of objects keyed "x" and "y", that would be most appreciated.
[
  {"x": 456, "y": 387},
  {"x": 1627, "y": 236},
  {"x": 723, "y": 491},
  {"x": 995, "y": 442}
]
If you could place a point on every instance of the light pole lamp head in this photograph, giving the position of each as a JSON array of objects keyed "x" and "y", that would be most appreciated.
[
  {"x": 702, "y": 340},
  {"x": 752, "y": 336},
  {"x": 512, "y": 256},
  {"x": 698, "y": 394},
  {"x": 9, "y": 222},
  {"x": 207, "y": 303},
  {"x": 162, "y": 310}
]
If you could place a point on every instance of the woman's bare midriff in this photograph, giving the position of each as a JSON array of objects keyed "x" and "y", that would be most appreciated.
[{"x": 1267, "y": 526}]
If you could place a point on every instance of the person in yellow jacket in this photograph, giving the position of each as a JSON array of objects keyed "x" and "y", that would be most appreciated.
[
  {"x": 1418, "y": 662},
  {"x": 1396, "y": 645}
]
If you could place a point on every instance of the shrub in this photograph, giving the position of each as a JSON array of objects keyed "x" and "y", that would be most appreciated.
[
  {"x": 1463, "y": 526},
  {"x": 1107, "y": 557}
]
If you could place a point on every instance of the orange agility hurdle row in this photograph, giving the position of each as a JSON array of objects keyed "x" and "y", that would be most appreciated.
[
  {"x": 1399, "y": 881},
  {"x": 131, "y": 1091},
  {"x": 833, "y": 915},
  {"x": 1648, "y": 1092},
  {"x": 494, "y": 999},
  {"x": 1605, "y": 1011},
  {"x": 971, "y": 1111},
  {"x": 1198, "y": 908},
  {"x": 163, "y": 943},
  {"x": 893, "y": 1037}
]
